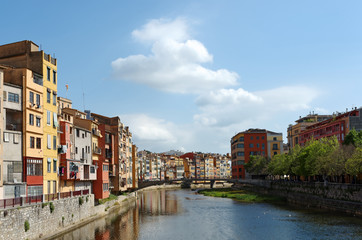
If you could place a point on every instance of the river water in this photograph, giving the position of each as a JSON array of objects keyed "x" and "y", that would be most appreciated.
[{"x": 182, "y": 214}]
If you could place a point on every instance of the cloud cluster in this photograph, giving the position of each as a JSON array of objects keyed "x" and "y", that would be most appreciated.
[
  {"x": 175, "y": 65},
  {"x": 175, "y": 62}
]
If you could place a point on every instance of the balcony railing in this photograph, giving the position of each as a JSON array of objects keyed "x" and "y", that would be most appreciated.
[
  {"x": 22, "y": 201},
  {"x": 97, "y": 150}
]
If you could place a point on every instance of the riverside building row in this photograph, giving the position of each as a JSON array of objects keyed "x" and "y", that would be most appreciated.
[
  {"x": 153, "y": 166},
  {"x": 313, "y": 126},
  {"x": 46, "y": 146}
]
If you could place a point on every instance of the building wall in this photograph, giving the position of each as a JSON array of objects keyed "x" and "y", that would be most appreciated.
[
  {"x": 102, "y": 175},
  {"x": 275, "y": 144},
  {"x": 1, "y": 132},
  {"x": 32, "y": 130},
  {"x": 12, "y": 142},
  {"x": 50, "y": 129}
]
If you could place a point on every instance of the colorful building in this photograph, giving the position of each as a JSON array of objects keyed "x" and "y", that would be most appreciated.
[
  {"x": 253, "y": 142},
  {"x": 339, "y": 125},
  {"x": 2, "y": 68},
  {"x": 26, "y": 54},
  {"x": 301, "y": 124}
]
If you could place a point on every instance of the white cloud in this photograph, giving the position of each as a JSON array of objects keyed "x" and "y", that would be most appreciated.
[
  {"x": 175, "y": 62},
  {"x": 226, "y": 107},
  {"x": 157, "y": 134}
]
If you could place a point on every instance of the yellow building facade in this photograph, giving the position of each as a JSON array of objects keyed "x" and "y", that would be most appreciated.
[
  {"x": 275, "y": 143},
  {"x": 50, "y": 125}
]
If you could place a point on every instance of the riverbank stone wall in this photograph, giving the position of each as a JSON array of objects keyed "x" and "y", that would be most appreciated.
[{"x": 37, "y": 220}]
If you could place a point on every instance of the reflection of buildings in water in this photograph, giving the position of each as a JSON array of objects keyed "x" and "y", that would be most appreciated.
[{"x": 158, "y": 203}]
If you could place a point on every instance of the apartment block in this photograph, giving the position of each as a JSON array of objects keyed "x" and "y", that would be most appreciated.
[
  {"x": 26, "y": 54},
  {"x": 301, "y": 124},
  {"x": 339, "y": 125},
  {"x": 253, "y": 142},
  {"x": 2, "y": 68}
]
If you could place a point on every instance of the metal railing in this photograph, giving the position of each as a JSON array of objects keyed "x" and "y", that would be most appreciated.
[{"x": 22, "y": 201}]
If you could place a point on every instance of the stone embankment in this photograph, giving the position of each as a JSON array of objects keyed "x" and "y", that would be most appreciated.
[
  {"x": 51, "y": 219},
  {"x": 346, "y": 198}
]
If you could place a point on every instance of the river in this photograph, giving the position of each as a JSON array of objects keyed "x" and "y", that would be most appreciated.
[{"x": 182, "y": 214}]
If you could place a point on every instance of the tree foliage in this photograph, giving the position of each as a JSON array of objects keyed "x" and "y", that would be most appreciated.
[{"x": 324, "y": 157}]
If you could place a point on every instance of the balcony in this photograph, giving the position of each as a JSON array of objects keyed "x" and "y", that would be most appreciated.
[
  {"x": 97, "y": 150},
  {"x": 96, "y": 132}
]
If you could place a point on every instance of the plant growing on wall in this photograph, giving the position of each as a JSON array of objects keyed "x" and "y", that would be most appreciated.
[
  {"x": 26, "y": 225},
  {"x": 80, "y": 201},
  {"x": 51, "y": 206}
]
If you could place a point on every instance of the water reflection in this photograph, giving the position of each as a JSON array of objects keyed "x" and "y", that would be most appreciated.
[
  {"x": 181, "y": 214},
  {"x": 158, "y": 203}
]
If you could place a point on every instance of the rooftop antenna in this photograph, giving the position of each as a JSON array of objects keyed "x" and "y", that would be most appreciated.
[{"x": 66, "y": 90}]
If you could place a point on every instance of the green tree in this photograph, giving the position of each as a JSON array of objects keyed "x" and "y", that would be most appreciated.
[
  {"x": 257, "y": 165},
  {"x": 326, "y": 161},
  {"x": 353, "y": 138},
  {"x": 354, "y": 164}
]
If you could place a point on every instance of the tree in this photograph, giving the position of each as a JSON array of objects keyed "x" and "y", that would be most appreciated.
[
  {"x": 354, "y": 164},
  {"x": 353, "y": 138},
  {"x": 326, "y": 161},
  {"x": 257, "y": 165}
]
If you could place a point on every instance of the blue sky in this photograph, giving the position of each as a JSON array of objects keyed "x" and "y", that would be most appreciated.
[{"x": 188, "y": 75}]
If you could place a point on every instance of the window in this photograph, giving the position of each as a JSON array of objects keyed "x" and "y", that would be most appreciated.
[
  {"x": 38, "y": 100},
  {"x": 16, "y": 138},
  {"x": 54, "y": 98},
  {"x": 105, "y": 168},
  {"x": 55, "y": 120},
  {"x": 31, "y": 97},
  {"x": 240, "y": 145},
  {"x": 13, "y": 97},
  {"x": 49, "y": 165},
  {"x": 257, "y": 145},
  {"x": 54, "y": 142},
  {"x": 54, "y": 186},
  {"x": 251, "y": 138},
  {"x": 240, "y": 162},
  {"x": 31, "y": 119},
  {"x": 54, "y": 165},
  {"x": 262, "y": 146},
  {"x": 34, "y": 167},
  {"x": 49, "y": 142},
  {"x": 275, "y": 146},
  {"x": 257, "y": 137},
  {"x": 241, "y": 139},
  {"x": 262, "y": 137},
  {"x": 54, "y": 77},
  {"x": 6, "y": 137},
  {"x": 82, "y": 135},
  {"x": 92, "y": 169},
  {"x": 251, "y": 153},
  {"x": 38, "y": 143},
  {"x": 48, "y": 96},
  {"x": 275, "y": 153},
  {"x": 240, "y": 153},
  {"x": 77, "y": 130},
  {"x": 32, "y": 142},
  {"x": 48, "y": 117},
  {"x": 38, "y": 120},
  {"x": 105, "y": 187},
  {"x": 76, "y": 150},
  {"x": 48, "y": 73},
  {"x": 274, "y": 138},
  {"x": 251, "y": 145}
]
